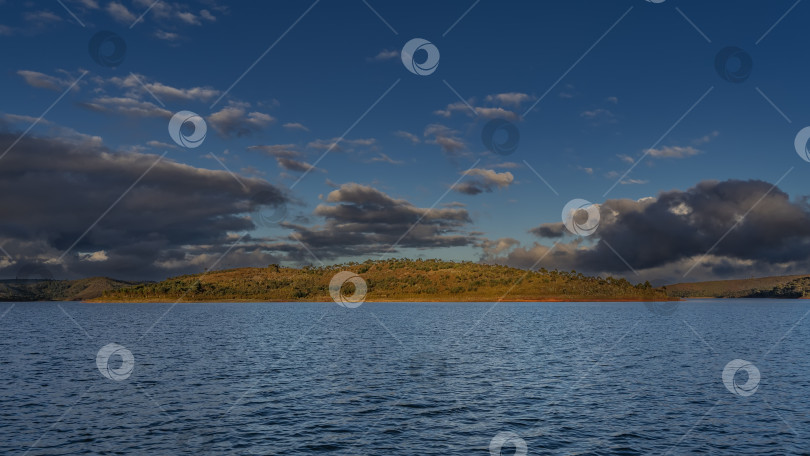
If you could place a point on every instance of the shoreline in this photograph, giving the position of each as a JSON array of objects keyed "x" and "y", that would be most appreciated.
[{"x": 163, "y": 301}]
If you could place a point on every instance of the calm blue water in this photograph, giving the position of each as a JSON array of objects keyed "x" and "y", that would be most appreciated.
[{"x": 403, "y": 379}]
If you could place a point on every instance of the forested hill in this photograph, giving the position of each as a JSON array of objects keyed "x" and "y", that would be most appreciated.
[
  {"x": 58, "y": 290},
  {"x": 796, "y": 286},
  {"x": 389, "y": 280}
]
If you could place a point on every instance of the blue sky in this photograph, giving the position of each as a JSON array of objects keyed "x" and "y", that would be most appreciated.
[{"x": 609, "y": 79}]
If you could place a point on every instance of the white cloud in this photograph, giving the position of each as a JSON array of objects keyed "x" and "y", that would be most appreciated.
[
  {"x": 486, "y": 113},
  {"x": 98, "y": 256},
  {"x": 44, "y": 81},
  {"x": 338, "y": 144},
  {"x": 237, "y": 121},
  {"x": 189, "y": 18},
  {"x": 626, "y": 158},
  {"x": 407, "y": 135},
  {"x": 127, "y": 106},
  {"x": 384, "y": 55},
  {"x": 634, "y": 181},
  {"x": 167, "y": 36},
  {"x": 43, "y": 16},
  {"x": 383, "y": 158},
  {"x": 120, "y": 13},
  {"x": 673, "y": 152},
  {"x": 295, "y": 126},
  {"x": 514, "y": 99},
  {"x": 445, "y": 137},
  {"x": 138, "y": 84},
  {"x": 484, "y": 180}
]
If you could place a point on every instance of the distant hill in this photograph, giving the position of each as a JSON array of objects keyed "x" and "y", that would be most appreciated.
[
  {"x": 795, "y": 286},
  {"x": 389, "y": 280},
  {"x": 58, "y": 290}
]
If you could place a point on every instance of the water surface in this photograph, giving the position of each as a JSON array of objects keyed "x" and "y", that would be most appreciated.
[{"x": 404, "y": 379}]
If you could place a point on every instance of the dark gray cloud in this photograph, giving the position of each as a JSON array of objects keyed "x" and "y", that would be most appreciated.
[
  {"x": 361, "y": 220},
  {"x": 481, "y": 180},
  {"x": 286, "y": 155},
  {"x": 663, "y": 237},
  {"x": 236, "y": 120},
  {"x": 177, "y": 219}
]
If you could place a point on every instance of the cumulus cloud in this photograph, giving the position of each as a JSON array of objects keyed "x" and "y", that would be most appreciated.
[
  {"x": 493, "y": 106},
  {"x": 483, "y": 112},
  {"x": 42, "y": 17},
  {"x": 120, "y": 13},
  {"x": 173, "y": 14},
  {"x": 295, "y": 126},
  {"x": 673, "y": 152},
  {"x": 235, "y": 120},
  {"x": 173, "y": 221},
  {"x": 286, "y": 155},
  {"x": 407, "y": 135},
  {"x": 138, "y": 84},
  {"x": 361, "y": 220},
  {"x": 599, "y": 116},
  {"x": 45, "y": 81},
  {"x": 383, "y": 158},
  {"x": 447, "y": 138},
  {"x": 126, "y": 106},
  {"x": 514, "y": 99},
  {"x": 483, "y": 180},
  {"x": 762, "y": 231},
  {"x": 384, "y": 55},
  {"x": 342, "y": 144}
]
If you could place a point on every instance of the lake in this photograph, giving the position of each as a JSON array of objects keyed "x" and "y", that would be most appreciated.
[{"x": 405, "y": 379}]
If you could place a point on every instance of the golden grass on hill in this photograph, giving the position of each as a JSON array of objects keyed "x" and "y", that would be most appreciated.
[{"x": 390, "y": 280}]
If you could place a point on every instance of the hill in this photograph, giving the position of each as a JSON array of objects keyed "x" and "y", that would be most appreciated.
[
  {"x": 389, "y": 280},
  {"x": 58, "y": 290},
  {"x": 796, "y": 286}
]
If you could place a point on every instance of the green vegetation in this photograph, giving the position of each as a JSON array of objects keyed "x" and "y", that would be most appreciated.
[
  {"x": 790, "y": 287},
  {"x": 389, "y": 280},
  {"x": 58, "y": 290}
]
